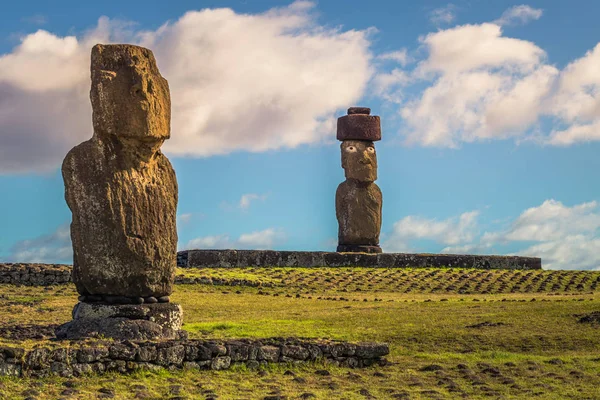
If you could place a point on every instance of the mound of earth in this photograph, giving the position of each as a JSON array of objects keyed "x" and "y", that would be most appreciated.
[{"x": 591, "y": 318}]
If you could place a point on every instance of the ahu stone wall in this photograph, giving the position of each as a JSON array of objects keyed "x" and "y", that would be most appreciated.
[
  {"x": 272, "y": 258},
  {"x": 128, "y": 356},
  {"x": 35, "y": 274}
]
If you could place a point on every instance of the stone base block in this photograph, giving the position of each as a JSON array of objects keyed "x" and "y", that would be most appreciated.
[
  {"x": 124, "y": 322},
  {"x": 356, "y": 248}
]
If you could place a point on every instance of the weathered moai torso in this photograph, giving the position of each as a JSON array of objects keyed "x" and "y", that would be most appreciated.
[
  {"x": 358, "y": 200},
  {"x": 121, "y": 189}
]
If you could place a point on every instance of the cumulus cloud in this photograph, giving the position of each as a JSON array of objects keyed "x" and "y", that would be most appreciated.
[
  {"x": 564, "y": 237},
  {"x": 577, "y": 101},
  {"x": 519, "y": 15},
  {"x": 479, "y": 77},
  {"x": 210, "y": 242},
  {"x": 449, "y": 231},
  {"x": 239, "y": 82},
  {"x": 476, "y": 84},
  {"x": 260, "y": 240},
  {"x": 51, "y": 248}
]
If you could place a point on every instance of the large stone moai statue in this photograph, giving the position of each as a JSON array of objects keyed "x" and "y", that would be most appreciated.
[
  {"x": 358, "y": 199},
  {"x": 122, "y": 193}
]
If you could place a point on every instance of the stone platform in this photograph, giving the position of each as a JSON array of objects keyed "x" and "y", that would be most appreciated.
[
  {"x": 271, "y": 258},
  {"x": 68, "y": 360},
  {"x": 124, "y": 322}
]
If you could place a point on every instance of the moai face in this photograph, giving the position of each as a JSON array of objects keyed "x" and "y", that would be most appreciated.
[
  {"x": 359, "y": 160},
  {"x": 130, "y": 99}
]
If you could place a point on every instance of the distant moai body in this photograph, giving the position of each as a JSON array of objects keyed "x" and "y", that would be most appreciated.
[
  {"x": 358, "y": 200},
  {"x": 121, "y": 189},
  {"x": 122, "y": 192}
]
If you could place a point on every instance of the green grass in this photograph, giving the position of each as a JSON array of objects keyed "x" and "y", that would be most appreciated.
[{"x": 533, "y": 346}]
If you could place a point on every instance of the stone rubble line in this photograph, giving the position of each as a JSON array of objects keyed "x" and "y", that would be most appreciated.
[
  {"x": 59, "y": 274},
  {"x": 128, "y": 356}
]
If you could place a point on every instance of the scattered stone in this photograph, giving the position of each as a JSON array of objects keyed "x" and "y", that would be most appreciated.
[
  {"x": 322, "y": 372},
  {"x": 591, "y": 318},
  {"x": 486, "y": 324},
  {"x": 431, "y": 367}
]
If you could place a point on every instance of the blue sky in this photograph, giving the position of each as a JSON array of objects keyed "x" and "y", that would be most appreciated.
[{"x": 490, "y": 117}]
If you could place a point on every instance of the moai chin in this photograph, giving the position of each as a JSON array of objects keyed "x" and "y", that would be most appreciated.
[
  {"x": 122, "y": 192},
  {"x": 358, "y": 199}
]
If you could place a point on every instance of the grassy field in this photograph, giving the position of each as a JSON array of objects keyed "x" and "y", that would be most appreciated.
[{"x": 453, "y": 334}]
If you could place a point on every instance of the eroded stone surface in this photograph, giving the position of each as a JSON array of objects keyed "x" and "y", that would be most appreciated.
[{"x": 121, "y": 189}]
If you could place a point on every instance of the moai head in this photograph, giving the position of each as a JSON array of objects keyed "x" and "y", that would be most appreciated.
[
  {"x": 359, "y": 160},
  {"x": 130, "y": 99},
  {"x": 357, "y": 131}
]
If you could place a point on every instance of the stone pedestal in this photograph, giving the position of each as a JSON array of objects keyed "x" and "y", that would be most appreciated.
[{"x": 124, "y": 322}]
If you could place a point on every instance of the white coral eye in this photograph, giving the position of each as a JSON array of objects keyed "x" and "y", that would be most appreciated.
[
  {"x": 371, "y": 149},
  {"x": 351, "y": 149}
]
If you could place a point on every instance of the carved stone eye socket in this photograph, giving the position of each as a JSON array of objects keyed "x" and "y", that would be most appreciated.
[
  {"x": 351, "y": 149},
  {"x": 371, "y": 149}
]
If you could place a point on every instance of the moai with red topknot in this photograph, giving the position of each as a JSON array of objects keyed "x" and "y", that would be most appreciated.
[{"x": 358, "y": 199}]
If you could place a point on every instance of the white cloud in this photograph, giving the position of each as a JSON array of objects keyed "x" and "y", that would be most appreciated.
[
  {"x": 570, "y": 252},
  {"x": 248, "y": 198},
  {"x": 265, "y": 239},
  {"x": 399, "y": 56},
  {"x": 475, "y": 84},
  {"x": 184, "y": 218},
  {"x": 575, "y": 134},
  {"x": 552, "y": 221},
  {"x": 564, "y": 237},
  {"x": 519, "y": 15},
  {"x": 389, "y": 86},
  {"x": 478, "y": 78},
  {"x": 259, "y": 240},
  {"x": 52, "y": 248},
  {"x": 249, "y": 82},
  {"x": 450, "y": 231},
  {"x": 443, "y": 15},
  {"x": 210, "y": 242},
  {"x": 577, "y": 101}
]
